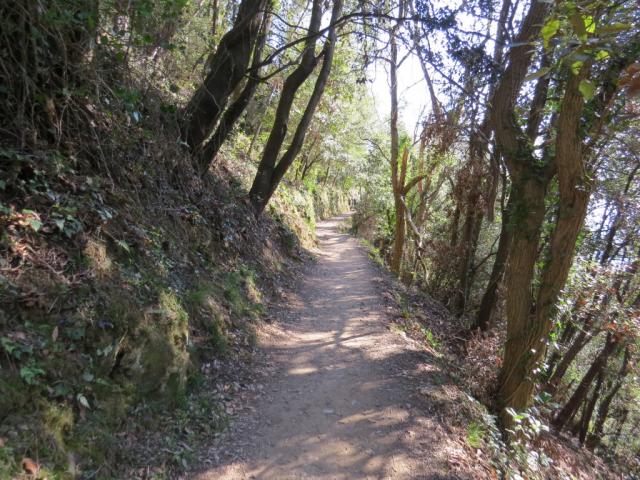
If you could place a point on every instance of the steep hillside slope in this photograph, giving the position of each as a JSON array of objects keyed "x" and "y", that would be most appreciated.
[{"x": 119, "y": 280}]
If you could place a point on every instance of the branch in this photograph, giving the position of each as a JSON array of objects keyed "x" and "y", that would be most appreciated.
[{"x": 413, "y": 182}]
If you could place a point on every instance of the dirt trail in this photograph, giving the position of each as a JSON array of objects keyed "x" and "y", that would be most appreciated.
[{"x": 345, "y": 402}]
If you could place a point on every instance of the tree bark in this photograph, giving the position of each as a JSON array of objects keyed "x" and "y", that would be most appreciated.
[
  {"x": 270, "y": 171},
  {"x": 484, "y": 319},
  {"x": 571, "y": 407},
  {"x": 529, "y": 184},
  {"x": 396, "y": 182},
  {"x": 587, "y": 413},
  {"x": 227, "y": 67},
  {"x": 235, "y": 110},
  {"x": 603, "y": 409}
]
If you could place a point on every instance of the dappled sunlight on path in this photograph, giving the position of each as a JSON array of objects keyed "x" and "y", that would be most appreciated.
[{"x": 345, "y": 403}]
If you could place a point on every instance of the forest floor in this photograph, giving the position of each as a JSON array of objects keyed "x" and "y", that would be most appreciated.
[{"x": 344, "y": 395}]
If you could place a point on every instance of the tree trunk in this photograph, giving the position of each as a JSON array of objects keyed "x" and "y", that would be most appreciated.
[
  {"x": 574, "y": 192},
  {"x": 473, "y": 215},
  {"x": 469, "y": 242},
  {"x": 399, "y": 228},
  {"x": 233, "y": 113},
  {"x": 569, "y": 410},
  {"x": 619, "y": 426},
  {"x": 227, "y": 68},
  {"x": 307, "y": 167},
  {"x": 580, "y": 341},
  {"x": 567, "y": 335},
  {"x": 484, "y": 320},
  {"x": 400, "y": 223},
  {"x": 529, "y": 323},
  {"x": 603, "y": 409},
  {"x": 455, "y": 222},
  {"x": 515, "y": 378},
  {"x": 587, "y": 413},
  {"x": 269, "y": 173}
]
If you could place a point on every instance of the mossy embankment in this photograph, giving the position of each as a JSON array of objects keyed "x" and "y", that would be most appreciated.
[{"x": 119, "y": 280}]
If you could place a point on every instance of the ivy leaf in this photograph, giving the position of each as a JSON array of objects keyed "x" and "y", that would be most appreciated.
[
  {"x": 549, "y": 30},
  {"x": 576, "y": 66},
  {"x": 83, "y": 401},
  {"x": 602, "y": 54},
  {"x": 540, "y": 73},
  {"x": 589, "y": 24},
  {"x": 29, "y": 374},
  {"x": 34, "y": 223},
  {"x": 587, "y": 89},
  {"x": 577, "y": 22},
  {"x": 60, "y": 224}
]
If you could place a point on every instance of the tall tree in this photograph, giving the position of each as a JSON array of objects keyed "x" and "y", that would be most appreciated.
[
  {"x": 227, "y": 68},
  {"x": 231, "y": 115},
  {"x": 529, "y": 311},
  {"x": 271, "y": 169}
]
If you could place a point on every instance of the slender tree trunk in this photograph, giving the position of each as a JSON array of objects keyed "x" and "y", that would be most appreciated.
[
  {"x": 455, "y": 223},
  {"x": 570, "y": 408},
  {"x": 399, "y": 227},
  {"x": 473, "y": 215},
  {"x": 469, "y": 242},
  {"x": 566, "y": 336},
  {"x": 619, "y": 426},
  {"x": 587, "y": 413},
  {"x": 214, "y": 18},
  {"x": 270, "y": 171},
  {"x": 603, "y": 409},
  {"x": 261, "y": 187},
  {"x": 307, "y": 167},
  {"x": 484, "y": 320},
  {"x": 400, "y": 209},
  {"x": 584, "y": 336}
]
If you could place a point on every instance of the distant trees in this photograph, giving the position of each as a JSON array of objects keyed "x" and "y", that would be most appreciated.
[{"x": 521, "y": 138}]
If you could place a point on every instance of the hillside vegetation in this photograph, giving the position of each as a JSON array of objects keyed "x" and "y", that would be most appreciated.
[{"x": 163, "y": 164}]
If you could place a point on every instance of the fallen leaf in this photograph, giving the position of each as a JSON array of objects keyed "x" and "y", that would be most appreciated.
[{"x": 29, "y": 466}]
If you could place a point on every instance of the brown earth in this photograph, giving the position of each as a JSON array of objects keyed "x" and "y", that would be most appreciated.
[{"x": 349, "y": 395}]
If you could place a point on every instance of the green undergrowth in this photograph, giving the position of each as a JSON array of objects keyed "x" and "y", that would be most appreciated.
[
  {"x": 373, "y": 252},
  {"x": 310, "y": 204},
  {"x": 112, "y": 297},
  {"x": 520, "y": 456}
]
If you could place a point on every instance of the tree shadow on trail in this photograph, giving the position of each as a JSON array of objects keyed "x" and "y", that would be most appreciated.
[{"x": 348, "y": 401}]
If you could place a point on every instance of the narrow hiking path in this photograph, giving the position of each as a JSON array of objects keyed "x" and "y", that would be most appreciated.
[{"x": 345, "y": 401}]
